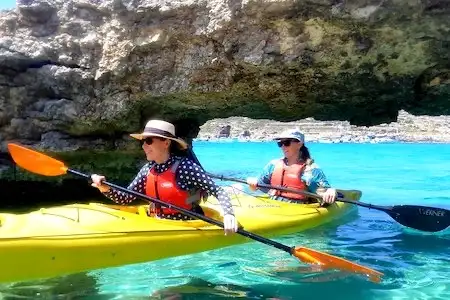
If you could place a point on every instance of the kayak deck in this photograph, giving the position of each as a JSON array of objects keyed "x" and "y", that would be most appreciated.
[{"x": 80, "y": 237}]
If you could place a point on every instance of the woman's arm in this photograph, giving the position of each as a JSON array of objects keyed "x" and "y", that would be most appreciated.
[
  {"x": 266, "y": 175},
  {"x": 138, "y": 185},
  {"x": 318, "y": 183},
  {"x": 315, "y": 178}
]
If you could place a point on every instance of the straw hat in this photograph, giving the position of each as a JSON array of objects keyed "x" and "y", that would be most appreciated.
[{"x": 161, "y": 129}]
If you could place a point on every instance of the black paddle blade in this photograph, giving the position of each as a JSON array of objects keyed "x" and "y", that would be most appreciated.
[{"x": 423, "y": 218}]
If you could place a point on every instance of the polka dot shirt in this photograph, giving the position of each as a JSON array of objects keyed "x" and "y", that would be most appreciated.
[{"x": 189, "y": 175}]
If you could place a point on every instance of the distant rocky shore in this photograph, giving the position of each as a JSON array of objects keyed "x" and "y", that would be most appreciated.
[{"x": 408, "y": 128}]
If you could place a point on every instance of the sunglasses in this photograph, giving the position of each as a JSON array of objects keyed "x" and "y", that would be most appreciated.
[
  {"x": 149, "y": 140},
  {"x": 286, "y": 143}
]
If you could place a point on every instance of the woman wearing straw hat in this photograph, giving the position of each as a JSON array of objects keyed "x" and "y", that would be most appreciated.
[
  {"x": 295, "y": 170},
  {"x": 170, "y": 178}
]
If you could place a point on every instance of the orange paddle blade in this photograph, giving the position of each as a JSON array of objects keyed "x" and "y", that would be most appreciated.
[
  {"x": 311, "y": 256},
  {"x": 36, "y": 162}
]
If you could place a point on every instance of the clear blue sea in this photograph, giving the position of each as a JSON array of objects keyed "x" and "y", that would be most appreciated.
[
  {"x": 416, "y": 264},
  {"x": 7, "y": 4}
]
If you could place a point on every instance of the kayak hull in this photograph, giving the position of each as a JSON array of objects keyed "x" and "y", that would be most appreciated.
[{"x": 74, "y": 238}]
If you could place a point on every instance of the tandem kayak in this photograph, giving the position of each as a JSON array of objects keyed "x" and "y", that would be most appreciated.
[{"x": 66, "y": 239}]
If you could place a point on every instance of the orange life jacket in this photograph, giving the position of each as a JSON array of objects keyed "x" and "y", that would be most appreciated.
[
  {"x": 163, "y": 187},
  {"x": 288, "y": 176}
]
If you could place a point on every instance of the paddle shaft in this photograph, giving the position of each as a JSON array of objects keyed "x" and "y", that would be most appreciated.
[
  {"x": 313, "y": 195},
  {"x": 189, "y": 213}
]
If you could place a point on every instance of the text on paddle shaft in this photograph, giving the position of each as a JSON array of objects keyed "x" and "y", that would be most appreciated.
[{"x": 432, "y": 212}]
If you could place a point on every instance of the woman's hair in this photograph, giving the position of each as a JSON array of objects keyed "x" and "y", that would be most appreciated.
[
  {"x": 304, "y": 153},
  {"x": 175, "y": 150}
]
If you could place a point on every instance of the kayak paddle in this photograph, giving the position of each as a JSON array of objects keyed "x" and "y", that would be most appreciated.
[
  {"x": 423, "y": 218},
  {"x": 42, "y": 164}
]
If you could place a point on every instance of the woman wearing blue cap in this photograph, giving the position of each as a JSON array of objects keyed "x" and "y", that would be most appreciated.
[{"x": 295, "y": 170}]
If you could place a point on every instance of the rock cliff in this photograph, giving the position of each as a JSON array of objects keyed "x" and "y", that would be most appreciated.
[{"x": 82, "y": 74}]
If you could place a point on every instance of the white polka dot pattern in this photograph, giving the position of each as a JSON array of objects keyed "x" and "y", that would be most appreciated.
[{"x": 189, "y": 175}]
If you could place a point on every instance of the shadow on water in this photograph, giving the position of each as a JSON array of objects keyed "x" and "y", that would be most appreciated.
[
  {"x": 198, "y": 288},
  {"x": 26, "y": 196},
  {"x": 83, "y": 286},
  {"x": 76, "y": 286}
]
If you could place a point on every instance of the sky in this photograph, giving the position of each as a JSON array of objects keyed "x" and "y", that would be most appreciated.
[{"x": 7, "y": 4}]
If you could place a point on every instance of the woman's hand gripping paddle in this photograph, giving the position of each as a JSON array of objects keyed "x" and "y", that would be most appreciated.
[
  {"x": 423, "y": 218},
  {"x": 42, "y": 164}
]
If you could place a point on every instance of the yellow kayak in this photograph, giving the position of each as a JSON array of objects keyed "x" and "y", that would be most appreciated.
[{"x": 80, "y": 237}]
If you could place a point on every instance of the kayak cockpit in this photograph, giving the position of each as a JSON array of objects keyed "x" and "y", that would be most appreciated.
[
  {"x": 142, "y": 210},
  {"x": 104, "y": 216}
]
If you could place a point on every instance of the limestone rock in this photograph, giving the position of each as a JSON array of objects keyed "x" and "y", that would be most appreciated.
[
  {"x": 408, "y": 128},
  {"x": 83, "y": 74},
  {"x": 224, "y": 131}
]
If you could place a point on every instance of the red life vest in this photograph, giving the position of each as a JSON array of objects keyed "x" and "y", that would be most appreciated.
[
  {"x": 163, "y": 187},
  {"x": 288, "y": 176}
]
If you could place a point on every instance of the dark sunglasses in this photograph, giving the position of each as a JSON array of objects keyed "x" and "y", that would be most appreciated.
[
  {"x": 286, "y": 143},
  {"x": 147, "y": 141},
  {"x": 150, "y": 140}
]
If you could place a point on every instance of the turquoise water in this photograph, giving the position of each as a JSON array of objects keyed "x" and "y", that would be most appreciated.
[
  {"x": 7, "y": 4},
  {"x": 416, "y": 264}
]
